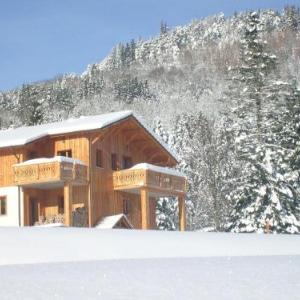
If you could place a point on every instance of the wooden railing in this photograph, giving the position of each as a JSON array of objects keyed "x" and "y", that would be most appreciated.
[
  {"x": 49, "y": 172},
  {"x": 134, "y": 178}
]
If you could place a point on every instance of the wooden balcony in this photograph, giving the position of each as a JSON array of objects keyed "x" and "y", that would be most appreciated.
[
  {"x": 163, "y": 183},
  {"x": 50, "y": 172}
]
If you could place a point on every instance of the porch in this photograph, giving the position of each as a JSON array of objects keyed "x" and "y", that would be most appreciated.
[
  {"x": 55, "y": 170},
  {"x": 51, "y": 187},
  {"x": 150, "y": 182}
]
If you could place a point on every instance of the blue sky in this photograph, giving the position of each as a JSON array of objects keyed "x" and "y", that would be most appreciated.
[{"x": 43, "y": 38}]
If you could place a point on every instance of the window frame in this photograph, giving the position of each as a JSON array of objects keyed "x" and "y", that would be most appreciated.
[
  {"x": 65, "y": 151},
  {"x": 61, "y": 205},
  {"x": 126, "y": 206},
  {"x": 32, "y": 154},
  {"x": 99, "y": 154},
  {"x": 3, "y": 199},
  {"x": 114, "y": 161},
  {"x": 125, "y": 160}
]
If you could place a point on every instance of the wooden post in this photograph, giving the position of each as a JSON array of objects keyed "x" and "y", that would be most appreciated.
[
  {"x": 90, "y": 193},
  {"x": 26, "y": 209},
  {"x": 145, "y": 208},
  {"x": 68, "y": 201},
  {"x": 181, "y": 207}
]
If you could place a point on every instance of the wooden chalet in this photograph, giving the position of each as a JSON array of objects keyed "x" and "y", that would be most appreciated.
[{"x": 100, "y": 166}]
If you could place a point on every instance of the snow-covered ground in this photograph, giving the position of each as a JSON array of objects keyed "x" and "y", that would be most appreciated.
[{"x": 69, "y": 263}]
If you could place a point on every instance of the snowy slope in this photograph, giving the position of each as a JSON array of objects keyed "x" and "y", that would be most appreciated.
[
  {"x": 83, "y": 244},
  {"x": 70, "y": 263},
  {"x": 219, "y": 278}
]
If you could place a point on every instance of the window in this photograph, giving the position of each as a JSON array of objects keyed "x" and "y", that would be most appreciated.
[
  {"x": 32, "y": 155},
  {"x": 99, "y": 158},
  {"x": 125, "y": 206},
  {"x": 127, "y": 162},
  {"x": 34, "y": 210},
  {"x": 114, "y": 162},
  {"x": 66, "y": 153},
  {"x": 3, "y": 206},
  {"x": 61, "y": 205}
]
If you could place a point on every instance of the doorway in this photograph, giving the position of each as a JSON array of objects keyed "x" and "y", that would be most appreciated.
[{"x": 33, "y": 210}]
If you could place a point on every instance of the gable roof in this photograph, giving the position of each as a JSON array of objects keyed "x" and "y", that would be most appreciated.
[
  {"x": 111, "y": 222},
  {"x": 24, "y": 135}
]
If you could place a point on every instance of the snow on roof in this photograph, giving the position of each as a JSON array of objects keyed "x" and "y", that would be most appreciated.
[
  {"x": 164, "y": 170},
  {"x": 24, "y": 135},
  {"x": 52, "y": 159},
  {"x": 111, "y": 221}
]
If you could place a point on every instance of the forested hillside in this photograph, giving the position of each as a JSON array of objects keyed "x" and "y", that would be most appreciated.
[{"x": 223, "y": 92}]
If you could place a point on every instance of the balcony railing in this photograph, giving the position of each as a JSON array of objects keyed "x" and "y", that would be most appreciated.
[
  {"x": 56, "y": 171},
  {"x": 135, "y": 178}
]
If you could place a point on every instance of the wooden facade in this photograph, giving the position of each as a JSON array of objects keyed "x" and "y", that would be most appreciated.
[{"x": 102, "y": 183}]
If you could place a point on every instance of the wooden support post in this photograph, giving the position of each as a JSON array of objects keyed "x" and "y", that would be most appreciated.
[
  {"x": 181, "y": 207},
  {"x": 145, "y": 208},
  {"x": 68, "y": 201},
  {"x": 89, "y": 204},
  {"x": 26, "y": 209},
  {"x": 90, "y": 195}
]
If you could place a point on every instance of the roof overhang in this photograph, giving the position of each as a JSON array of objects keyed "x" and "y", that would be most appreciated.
[{"x": 25, "y": 135}]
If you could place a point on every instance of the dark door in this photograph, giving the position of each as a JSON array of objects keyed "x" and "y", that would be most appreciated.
[{"x": 34, "y": 210}]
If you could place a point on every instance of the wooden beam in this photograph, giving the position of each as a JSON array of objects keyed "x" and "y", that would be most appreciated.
[
  {"x": 107, "y": 132},
  {"x": 136, "y": 143},
  {"x": 130, "y": 131},
  {"x": 172, "y": 159},
  {"x": 150, "y": 151},
  {"x": 145, "y": 208},
  {"x": 26, "y": 209},
  {"x": 68, "y": 203},
  {"x": 161, "y": 163},
  {"x": 182, "y": 217},
  {"x": 144, "y": 147},
  {"x": 155, "y": 154},
  {"x": 131, "y": 139},
  {"x": 99, "y": 135}
]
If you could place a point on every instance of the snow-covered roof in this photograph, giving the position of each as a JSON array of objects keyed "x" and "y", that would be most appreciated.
[
  {"x": 24, "y": 135},
  {"x": 52, "y": 159},
  {"x": 164, "y": 170},
  {"x": 111, "y": 221}
]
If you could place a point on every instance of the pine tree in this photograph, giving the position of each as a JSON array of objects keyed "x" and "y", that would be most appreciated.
[
  {"x": 287, "y": 130},
  {"x": 166, "y": 207},
  {"x": 132, "y": 50},
  {"x": 163, "y": 28},
  {"x": 260, "y": 199},
  {"x": 206, "y": 157},
  {"x": 292, "y": 17},
  {"x": 30, "y": 106}
]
